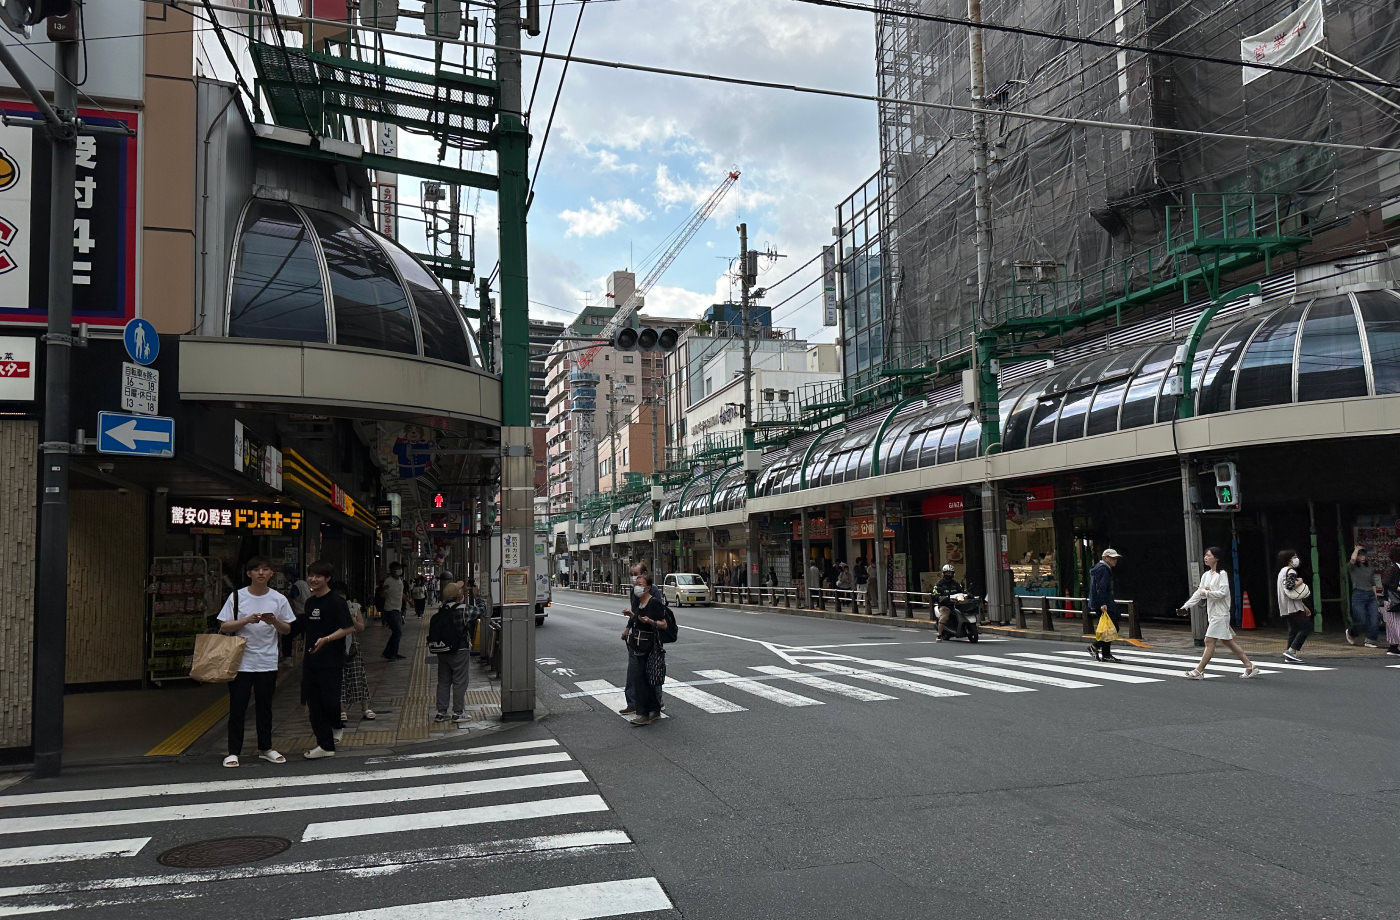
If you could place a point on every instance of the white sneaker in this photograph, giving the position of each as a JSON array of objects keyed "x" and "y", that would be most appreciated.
[
  {"x": 317, "y": 753},
  {"x": 1291, "y": 655},
  {"x": 338, "y": 734},
  {"x": 1370, "y": 644},
  {"x": 1351, "y": 640},
  {"x": 1252, "y": 672}
]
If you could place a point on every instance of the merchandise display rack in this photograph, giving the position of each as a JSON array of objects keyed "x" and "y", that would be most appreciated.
[{"x": 184, "y": 597}]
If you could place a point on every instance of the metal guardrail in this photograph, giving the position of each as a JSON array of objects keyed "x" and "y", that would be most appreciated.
[{"x": 1071, "y": 608}]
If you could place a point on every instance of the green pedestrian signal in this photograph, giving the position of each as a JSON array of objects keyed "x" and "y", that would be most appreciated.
[{"x": 1227, "y": 490}]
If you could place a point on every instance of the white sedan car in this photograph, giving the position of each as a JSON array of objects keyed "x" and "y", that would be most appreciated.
[{"x": 686, "y": 588}]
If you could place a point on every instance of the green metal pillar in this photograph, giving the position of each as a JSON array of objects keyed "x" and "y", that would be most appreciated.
[{"x": 988, "y": 397}]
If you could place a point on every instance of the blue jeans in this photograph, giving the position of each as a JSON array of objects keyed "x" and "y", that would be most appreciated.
[
  {"x": 394, "y": 620},
  {"x": 1365, "y": 613}
]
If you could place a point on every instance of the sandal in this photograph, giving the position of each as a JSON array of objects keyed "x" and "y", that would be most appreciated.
[
  {"x": 271, "y": 757},
  {"x": 231, "y": 760},
  {"x": 369, "y": 714},
  {"x": 1193, "y": 674}
]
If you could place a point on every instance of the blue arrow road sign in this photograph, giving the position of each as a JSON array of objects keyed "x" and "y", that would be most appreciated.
[
  {"x": 135, "y": 435},
  {"x": 142, "y": 343}
]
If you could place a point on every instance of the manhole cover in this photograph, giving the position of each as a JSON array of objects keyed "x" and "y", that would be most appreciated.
[{"x": 230, "y": 851}]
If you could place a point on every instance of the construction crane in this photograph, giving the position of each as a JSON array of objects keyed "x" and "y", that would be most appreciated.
[{"x": 687, "y": 232}]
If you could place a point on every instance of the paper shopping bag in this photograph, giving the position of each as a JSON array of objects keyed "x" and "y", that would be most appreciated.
[{"x": 216, "y": 657}]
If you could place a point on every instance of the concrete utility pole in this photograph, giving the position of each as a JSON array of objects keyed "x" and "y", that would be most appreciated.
[
  {"x": 984, "y": 366},
  {"x": 1194, "y": 546},
  {"x": 612, "y": 490},
  {"x": 658, "y": 390},
  {"x": 517, "y": 466},
  {"x": 748, "y": 274}
]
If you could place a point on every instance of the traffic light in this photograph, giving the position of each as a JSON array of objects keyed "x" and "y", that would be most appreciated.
[
  {"x": 647, "y": 339},
  {"x": 1227, "y": 489},
  {"x": 18, "y": 15}
]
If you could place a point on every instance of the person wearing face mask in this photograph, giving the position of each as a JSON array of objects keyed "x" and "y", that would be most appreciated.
[
  {"x": 643, "y": 635},
  {"x": 634, "y": 598},
  {"x": 1291, "y": 606}
]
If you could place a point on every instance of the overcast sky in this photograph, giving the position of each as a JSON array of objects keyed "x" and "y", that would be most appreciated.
[{"x": 631, "y": 155}]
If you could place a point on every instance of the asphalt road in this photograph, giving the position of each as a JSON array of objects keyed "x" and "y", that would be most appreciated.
[{"x": 807, "y": 769}]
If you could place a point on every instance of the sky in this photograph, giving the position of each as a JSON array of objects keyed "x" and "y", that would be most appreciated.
[{"x": 630, "y": 156}]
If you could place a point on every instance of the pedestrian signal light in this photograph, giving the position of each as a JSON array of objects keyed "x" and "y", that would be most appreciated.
[
  {"x": 437, "y": 500},
  {"x": 1227, "y": 489}
]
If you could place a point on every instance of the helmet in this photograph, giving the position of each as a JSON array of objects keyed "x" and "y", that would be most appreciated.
[{"x": 948, "y": 569}]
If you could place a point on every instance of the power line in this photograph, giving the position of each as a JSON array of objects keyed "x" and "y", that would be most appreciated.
[
  {"x": 554, "y": 107},
  {"x": 1081, "y": 40}
]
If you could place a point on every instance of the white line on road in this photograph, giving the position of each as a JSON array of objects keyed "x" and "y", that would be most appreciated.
[
  {"x": 954, "y": 678},
  {"x": 454, "y": 817},
  {"x": 760, "y": 689},
  {"x": 1112, "y": 666},
  {"x": 605, "y": 693},
  {"x": 821, "y": 683},
  {"x": 1096, "y": 673},
  {"x": 910, "y": 685},
  {"x": 70, "y": 852},
  {"x": 699, "y": 698},
  {"x": 378, "y": 863},
  {"x": 468, "y": 752},
  {"x": 288, "y": 781},
  {"x": 574, "y": 902},
  {"x": 266, "y": 805},
  {"x": 1062, "y": 682},
  {"x": 1229, "y": 660}
]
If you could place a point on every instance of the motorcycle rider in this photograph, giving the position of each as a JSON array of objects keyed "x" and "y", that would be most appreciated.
[{"x": 943, "y": 592}]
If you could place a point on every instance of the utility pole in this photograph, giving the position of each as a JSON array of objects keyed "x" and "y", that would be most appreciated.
[
  {"x": 984, "y": 352},
  {"x": 657, "y": 390},
  {"x": 517, "y": 466},
  {"x": 61, "y": 125},
  {"x": 753, "y": 462},
  {"x": 612, "y": 470}
]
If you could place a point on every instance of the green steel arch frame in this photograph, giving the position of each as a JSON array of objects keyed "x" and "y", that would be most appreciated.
[
  {"x": 720, "y": 478},
  {"x": 884, "y": 427},
  {"x": 807, "y": 456}
]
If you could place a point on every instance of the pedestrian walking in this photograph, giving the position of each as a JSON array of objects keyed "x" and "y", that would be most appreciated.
[
  {"x": 392, "y": 611},
  {"x": 1214, "y": 592},
  {"x": 643, "y": 638},
  {"x": 1101, "y": 602},
  {"x": 845, "y": 584},
  {"x": 327, "y": 624},
  {"x": 419, "y": 595},
  {"x": 814, "y": 586},
  {"x": 1293, "y": 592},
  {"x": 354, "y": 683},
  {"x": 449, "y": 637},
  {"x": 862, "y": 576},
  {"x": 1365, "y": 599},
  {"x": 1391, "y": 582},
  {"x": 629, "y": 692},
  {"x": 260, "y": 615}
]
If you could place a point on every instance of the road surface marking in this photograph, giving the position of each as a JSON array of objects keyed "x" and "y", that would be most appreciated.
[
  {"x": 454, "y": 817},
  {"x": 265, "y": 805},
  {"x": 70, "y": 852},
  {"x": 1062, "y": 682},
  {"x": 821, "y": 683},
  {"x": 1059, "y": 669},
  {"x": 910, "y": 685},
  {"x": 574, "y": 902},
  {"x": 377, "y": 863},
  {"x": 699, "y": 698},
  {"x": 288, "y": 781},
  {"x": 1223, "y": 656},
  {"x": 1112, "y": 666},
  {"x": 757, "y": 688},
  {"x": 954, "y": 678},
  {"x": 467, "y": 752}
]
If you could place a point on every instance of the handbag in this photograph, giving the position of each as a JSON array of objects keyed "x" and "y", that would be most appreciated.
[
  {"x": 1106, "y": 631},
  {"x": 656, "y": 666},
  {"x": 217, "y": 656},
  {"x": 1299, "y": 592}
]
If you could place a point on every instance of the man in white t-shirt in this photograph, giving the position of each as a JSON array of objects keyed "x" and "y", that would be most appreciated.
[
  {"x": 260, "y": 615},
  {"x": 393, "y": 610}
]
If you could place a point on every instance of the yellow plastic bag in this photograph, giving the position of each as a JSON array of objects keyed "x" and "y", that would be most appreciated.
[{"x": 1106, "y": 631}]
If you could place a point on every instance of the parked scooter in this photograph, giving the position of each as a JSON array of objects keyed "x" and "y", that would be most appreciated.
[{"x": 960, "y": 617}]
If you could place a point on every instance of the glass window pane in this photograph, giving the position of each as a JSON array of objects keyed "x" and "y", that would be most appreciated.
[
  {"x": 1008, "y": 402},
  {"x": 1380, "y": 311},
  {"x": 1213, "y": 394},
  {"x": 1014, "y": 434},
  {"x": 443, "y": 335},
  {"x": 948, "y": 442},
  {"x": 1265, "y": 377},
  {"x": 276, "y": 291},
  {"x": 970, "y": 442},
  {"x": 1103, "y": 416},
  {"x": 1047, "y": 409},
  {"x": 371, "y": 307},
  {"x": 1140, "y": 404},
  {"x": 1072, "y": 416},
  {"x": 1329, "y": 354}
]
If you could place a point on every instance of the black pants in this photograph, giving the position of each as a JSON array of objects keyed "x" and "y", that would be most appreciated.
[
  {"x": 320, "y": 691},
  {"x": 259, "y": 685},
  {"x": 1300, "y": 626},
  {"x": 419, "y": 605},
  {"x": 647, "y": 700}
]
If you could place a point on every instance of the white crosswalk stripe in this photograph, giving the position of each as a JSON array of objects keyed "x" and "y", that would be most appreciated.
[
  {"x": 1223, "y": 657},
  {"x": 912, "y": 686},
  {"x": 758, "y": 688},
  {"x": 1063, "y": 683},
  {"x": 1164, "y": 669},
  {"x": 954, "y": 678},
  {"x": 821, "y": 683},
  {"x": 1061, "y": 669},
  {"x": 700, "y": 698},
  {"x": 365, "y": 814}
]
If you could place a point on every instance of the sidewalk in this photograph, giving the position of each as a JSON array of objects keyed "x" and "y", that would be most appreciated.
[{"x": 403, "y": 698}]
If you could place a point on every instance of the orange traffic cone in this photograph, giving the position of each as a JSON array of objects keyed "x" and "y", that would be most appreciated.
[{"x": 1247, "y": 614}]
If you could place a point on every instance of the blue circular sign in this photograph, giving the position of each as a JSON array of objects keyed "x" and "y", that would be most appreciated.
[{"x": 142, "y": 343}]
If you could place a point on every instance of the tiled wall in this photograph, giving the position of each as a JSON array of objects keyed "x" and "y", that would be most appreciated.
[{"x": 19, "y": 450}]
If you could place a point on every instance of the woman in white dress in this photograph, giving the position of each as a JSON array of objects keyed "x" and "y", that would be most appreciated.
[{"x": 1215, "y": 592}]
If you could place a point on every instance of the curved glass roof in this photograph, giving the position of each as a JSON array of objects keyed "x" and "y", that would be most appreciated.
[{"x": 305, "y": 275}]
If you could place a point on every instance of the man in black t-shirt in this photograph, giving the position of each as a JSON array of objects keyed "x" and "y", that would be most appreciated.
[{"x": 326, "y": 624}]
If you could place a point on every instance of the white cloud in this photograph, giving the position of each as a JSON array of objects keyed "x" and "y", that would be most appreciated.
[{"x": 601, "y": 217}]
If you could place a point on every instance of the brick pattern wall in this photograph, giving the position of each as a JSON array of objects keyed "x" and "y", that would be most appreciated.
[
  {"x": 19, "y": 449},
  {"x": 107, "y": 565}
]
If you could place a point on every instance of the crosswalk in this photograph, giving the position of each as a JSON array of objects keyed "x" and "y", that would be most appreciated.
[
  {"x": 815, "y": 678},
  {"x": 449, "y": 813}
]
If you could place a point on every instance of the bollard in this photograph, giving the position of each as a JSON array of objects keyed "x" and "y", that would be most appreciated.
[
  {"x": 1047, "y": 620},
  {"x": 1088, "y": 619},
  {"x": 909, "y": 605},
  {"x": 1134, "y": 627},
  {"x": 1020, "y": 613}
]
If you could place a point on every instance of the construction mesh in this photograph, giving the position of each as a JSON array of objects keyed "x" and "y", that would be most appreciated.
[{"x": 1077, "y": 199}]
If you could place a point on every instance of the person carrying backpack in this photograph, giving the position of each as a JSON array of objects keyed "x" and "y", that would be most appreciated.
[
  {"x": 647, "y": 628},
  {"x": 448, "y": 638}
]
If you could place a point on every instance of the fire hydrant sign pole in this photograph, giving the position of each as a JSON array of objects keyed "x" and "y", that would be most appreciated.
[{"x": 517, "y": 466}]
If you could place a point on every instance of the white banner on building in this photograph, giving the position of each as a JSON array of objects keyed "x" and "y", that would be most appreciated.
[
  {"x": 1282, "y": 42},
  {"x": 829, "y": 286},
  {"x": 387, "y": 210}
]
